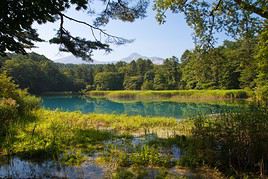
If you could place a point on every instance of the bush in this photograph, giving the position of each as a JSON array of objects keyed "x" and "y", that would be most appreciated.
[
  {"x": 14, "y": 102},
  {"x": 262, "y": 94},
  {"x": 27, "y": 103},
  {"x": 8, "y": 112},
  {"x": 234, "y": 142}
]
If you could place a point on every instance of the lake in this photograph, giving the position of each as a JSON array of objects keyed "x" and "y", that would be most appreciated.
[{"x": 144, "y": 108}]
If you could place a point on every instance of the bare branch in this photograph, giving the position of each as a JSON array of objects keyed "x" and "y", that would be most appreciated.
[
  {"x": 61, "y": 26},
  {"x": 89, "y": 25}
]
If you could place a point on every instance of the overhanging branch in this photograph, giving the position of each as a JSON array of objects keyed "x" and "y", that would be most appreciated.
[
  {"x": 89, "y": 25},
  {"x": 252, "y": 8}
]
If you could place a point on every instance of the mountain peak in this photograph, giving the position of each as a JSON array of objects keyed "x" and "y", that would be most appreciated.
[
  {"x": 75, "y": 60},
  {"x": 135, "y": 56}
]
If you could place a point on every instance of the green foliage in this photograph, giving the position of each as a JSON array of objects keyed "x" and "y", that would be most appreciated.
[
  {"x": 17, "y": 19},
  {"x": 39, "y": 74},
  {"x": 149, "y": 156},
  {"x": 173, "y": 94},
  {"x": 160, "y": 81},
  {"x": 147, "y": 85},
  {"x": 68, "y": 136},
  {"x": 172, "y": 72},
  {"x": 108, "y": 81},
  {"x": 233, "y": 142},
  {"x": 262, "y": 59},
  {"x": 8, "y": 113},
  {"x": 14, "y": 102},
  {"x": 133, "y": 83},
  {"x": 230, "y": 66},
  {"x": 207, "y": 18}
]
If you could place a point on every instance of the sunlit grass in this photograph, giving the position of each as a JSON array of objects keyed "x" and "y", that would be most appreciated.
[
  {"x": 184, "y": 95},
  {"x": 66, "y": 136},
  {"x": 72, "y": 137}
]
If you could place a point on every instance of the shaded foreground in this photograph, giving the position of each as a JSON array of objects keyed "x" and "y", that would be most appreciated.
[{"x": 121, "y": 146}]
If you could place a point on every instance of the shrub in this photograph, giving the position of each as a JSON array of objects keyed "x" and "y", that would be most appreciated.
[
  {"x": 26, "y": 102},
  {"x": 8, "y": 112},
  {"x": 262, "y": 94},
  {"x": 14, "y": 102},
  {"x": 234, "y": 142}
]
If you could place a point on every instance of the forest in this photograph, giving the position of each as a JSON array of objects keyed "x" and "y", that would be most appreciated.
[{"x": 230, "y": 66}]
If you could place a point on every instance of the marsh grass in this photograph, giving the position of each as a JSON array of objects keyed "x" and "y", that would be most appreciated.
[
  {"x": 119, "y": 123},
  {"x": 181, "y": 95},
  {"x": 225, "y": 141},
  {"x": 72, "y": 136}
]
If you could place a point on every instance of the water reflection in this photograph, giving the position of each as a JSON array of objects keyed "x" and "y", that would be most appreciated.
[
  {"x": 153, "y": 108},
  {"x": 18, "y": 168}
]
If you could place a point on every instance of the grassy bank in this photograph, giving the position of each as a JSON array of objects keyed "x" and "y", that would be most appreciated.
[
  {"x": 135, "y": 145},
  {"x": 48, "y": 133},
  {"x": 183, "y": 95},
  {"x": 72, "y": 138}
]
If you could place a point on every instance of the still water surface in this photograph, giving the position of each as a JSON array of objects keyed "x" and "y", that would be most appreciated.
[{"x": 143, "y": 108}]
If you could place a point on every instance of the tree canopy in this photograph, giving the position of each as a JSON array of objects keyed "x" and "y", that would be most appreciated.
[
  {"x": 235, "y": 18},
  {"x": 17, "y": 17}
]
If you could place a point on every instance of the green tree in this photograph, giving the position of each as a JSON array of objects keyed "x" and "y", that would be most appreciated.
[
  {"x": 132, "y": 69},
  {"x": 160, "y": 80},
  {"x": 109, "y": 81},
  {"x": 172, "y": 72},
  {"x": 14, "y": 103},
  {"x": 236, "y": 18},
  {"x": 40, "y": 74},
  {"x": 143, "y": 66},
  {"x": 133, "y": 82},
  {"x": 18, "y": 16},
  {"x": 27, "y": 74},
  {"x": 148, "y": 81},
  {"x": 229, "y": 66},
  {"x": 262, "y": 59}
]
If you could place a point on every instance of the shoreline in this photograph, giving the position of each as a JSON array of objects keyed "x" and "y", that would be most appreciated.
[{"x": 176, "y": 95}]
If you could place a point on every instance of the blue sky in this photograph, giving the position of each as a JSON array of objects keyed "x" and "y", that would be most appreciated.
[{"x": 151, "y": 39}]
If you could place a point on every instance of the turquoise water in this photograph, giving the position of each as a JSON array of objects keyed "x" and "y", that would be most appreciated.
[{"x": 143, "y": 108}]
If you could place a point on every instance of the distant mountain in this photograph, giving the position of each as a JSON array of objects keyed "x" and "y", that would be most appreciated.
[
  {"x": 70, "y": 60},
  {"x": 74, "y": 60},
  {"x": 135, "y": 56}
]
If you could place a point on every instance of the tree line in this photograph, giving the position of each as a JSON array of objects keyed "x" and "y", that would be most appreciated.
[{"x": 230, "y": 66}]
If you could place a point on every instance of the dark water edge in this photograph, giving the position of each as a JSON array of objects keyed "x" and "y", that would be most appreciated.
[
  {"x": 144, "y": 108},
  {"x": 19, "y": 168}
]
